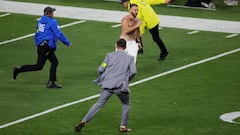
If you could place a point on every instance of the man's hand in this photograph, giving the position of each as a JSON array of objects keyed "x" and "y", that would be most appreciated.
[
  {"x": 138, "y": 23},
  {"x": 139, "y": 46},
  {"x": 70, "y": 46},
  {"x": 168, "y": 1}
]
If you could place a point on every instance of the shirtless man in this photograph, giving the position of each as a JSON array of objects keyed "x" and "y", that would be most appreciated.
[{"x": 130, "y": 31}]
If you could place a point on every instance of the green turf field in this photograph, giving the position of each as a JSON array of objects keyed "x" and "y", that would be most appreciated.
[{"x": 187, "y": 102}]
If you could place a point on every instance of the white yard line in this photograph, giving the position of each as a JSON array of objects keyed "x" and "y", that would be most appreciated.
[
  {"x": 232, "y": 35},
  {"x": 3, "y": 15},
  {"x": 193, "y": 32},
  {"x": 132, "y": 84},
  {"x": 106, "y": 16},
  {"x": 48, "y": 111},
  {"x": 117, "y": 25},
  {"x": 116, "y": 16},
  {"x": 32, "y": 34},
  {"x": 16, "y": 39}
]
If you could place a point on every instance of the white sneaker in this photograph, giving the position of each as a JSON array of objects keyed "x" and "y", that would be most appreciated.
[
  {"x": 231, "y": 2},
  {"x": 210, "y": 5}
]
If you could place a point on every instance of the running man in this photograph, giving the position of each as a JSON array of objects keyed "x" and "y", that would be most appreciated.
[{"x": 114, "y": 75}]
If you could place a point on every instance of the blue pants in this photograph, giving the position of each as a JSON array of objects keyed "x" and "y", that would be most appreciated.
[{"x": 104, "y": 96}]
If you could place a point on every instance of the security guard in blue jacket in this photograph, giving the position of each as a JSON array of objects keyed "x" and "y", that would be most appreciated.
[{"x": 48, "y": 32}]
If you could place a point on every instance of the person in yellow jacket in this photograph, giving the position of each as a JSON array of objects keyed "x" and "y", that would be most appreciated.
[{"x": 150, "y": 21}]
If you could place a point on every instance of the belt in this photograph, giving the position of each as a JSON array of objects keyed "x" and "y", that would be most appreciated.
[{"x": 44, "y": 42}]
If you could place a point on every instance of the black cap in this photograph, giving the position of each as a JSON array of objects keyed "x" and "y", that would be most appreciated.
[
  {"x": 48, "y": 10},
  {"x": 122, "y": 1}
]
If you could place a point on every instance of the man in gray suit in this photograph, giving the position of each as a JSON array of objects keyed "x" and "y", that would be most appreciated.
[{"x": 114, "y": 74}]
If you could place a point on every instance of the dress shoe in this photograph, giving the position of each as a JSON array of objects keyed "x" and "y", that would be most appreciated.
[
  {"x": 80, "y": 126},
  {"x": 124, "y": 129}
]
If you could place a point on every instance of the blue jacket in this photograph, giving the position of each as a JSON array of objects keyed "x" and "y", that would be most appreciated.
[{"x": 48, "y": 29}]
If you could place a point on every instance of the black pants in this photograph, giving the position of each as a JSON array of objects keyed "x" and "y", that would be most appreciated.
[
  {"x": 44, "y": 53},
  {"x": 156, "y": 38},
  {"x": 196, "y": 3}
]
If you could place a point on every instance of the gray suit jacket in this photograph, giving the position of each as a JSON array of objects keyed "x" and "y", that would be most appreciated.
[{"x": 117, "y": 69}]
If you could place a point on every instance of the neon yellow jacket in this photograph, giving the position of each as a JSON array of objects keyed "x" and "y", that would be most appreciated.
[
  {"x": 146, "y": 13},
  {"x": 154, "y": 2}
]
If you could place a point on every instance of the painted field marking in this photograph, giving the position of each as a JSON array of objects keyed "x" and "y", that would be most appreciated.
[
  {"x": 179, "y": 6},
  {"x": 32, "y": 34},
  {"x": 117, "y": 25},
  {"x": 230, "y": 117},
  {"x": 48, "y": 111},
  {"x": 186, "y": 66},
  {"x": 71, "y": 24},
  {"x": 3, "y": 15},
  {"x": 232, "y": 35},
  {"x": 193, "y": 32},
  {"x": 132, "y": 84}
]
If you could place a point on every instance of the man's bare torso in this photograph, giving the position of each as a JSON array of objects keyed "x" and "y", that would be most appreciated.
[{"x": 129, "y": 22}]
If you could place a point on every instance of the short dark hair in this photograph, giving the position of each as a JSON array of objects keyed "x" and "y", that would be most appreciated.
[
  {"x": 132, "y": 5},
  {"x": 122, "y": 1},
  {"x": 48, "y": 10},
  {"x": 121, "y": 43}
]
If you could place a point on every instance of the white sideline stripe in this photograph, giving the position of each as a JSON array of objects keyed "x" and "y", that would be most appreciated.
[
  {"x": 32, "y": 34},
  {"x": 3, "y": 15},
  {"x": 117, "y": 25},
  {"x": 132, "y": 84},
  {"x": 112, "y": 16},
  {"x": 232, "y": 35},
  {"x": 193, "y": 32}
]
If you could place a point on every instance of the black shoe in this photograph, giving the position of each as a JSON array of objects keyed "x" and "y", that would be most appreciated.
[
  {"x": 53, "y": 85},
  {"x": 80, "y": 126},
  {"x": 163, "y": 56},
  {"x": 140, "y": 51},
  {"x": 15, "y": 72}
]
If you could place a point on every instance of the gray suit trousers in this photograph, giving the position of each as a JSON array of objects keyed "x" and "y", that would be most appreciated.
[{"x": 104, "y": 96}]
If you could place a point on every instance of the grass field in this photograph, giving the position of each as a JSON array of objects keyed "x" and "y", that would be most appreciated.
[{"x": 187, "y": 102}]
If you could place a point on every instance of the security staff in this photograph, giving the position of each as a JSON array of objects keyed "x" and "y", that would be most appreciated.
[
  {"x": 114, "y": 75},
  {"x": 48, "y": 32},
  {"x": 149, "y": 20}
]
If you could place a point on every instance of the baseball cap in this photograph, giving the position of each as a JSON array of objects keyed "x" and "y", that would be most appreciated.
[
  {"x": 48, "y": 10},
  {"x": 122, "y": 1}
]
